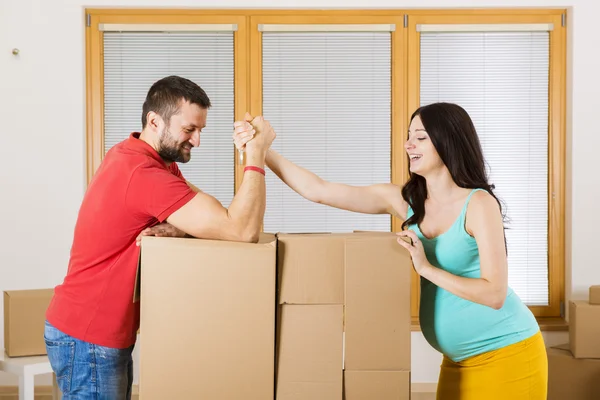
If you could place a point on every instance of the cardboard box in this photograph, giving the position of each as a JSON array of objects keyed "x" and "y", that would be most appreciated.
[
  {"x": 310, "y": 352},
  {"x": 207, "y": 319},
  {"x": 310, "y": 268},
  {"x": 584, "y": 329},
  {"x": 595, "y": 294},
  {"x": 570, "y": 378},
  {"x": 380, "y": 385},
  {"x": 377, "y": 324},
  {"x": 24, "y": 318}
]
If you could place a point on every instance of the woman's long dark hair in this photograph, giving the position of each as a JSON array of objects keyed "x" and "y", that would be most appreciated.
[{"x": 453, "y": 135}]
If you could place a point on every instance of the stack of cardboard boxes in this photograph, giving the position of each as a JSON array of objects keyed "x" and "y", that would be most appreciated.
[
  {"x": 306, "y": 316},
  {"x": 344, "y": 317},
  {"x": 574, "y": 369}
]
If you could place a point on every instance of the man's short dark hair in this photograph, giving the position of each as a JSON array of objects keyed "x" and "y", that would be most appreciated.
[{"x": 165, "y": 96}]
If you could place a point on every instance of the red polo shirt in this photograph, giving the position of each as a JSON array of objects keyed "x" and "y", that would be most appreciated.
[{"x": 132, "y": 190}]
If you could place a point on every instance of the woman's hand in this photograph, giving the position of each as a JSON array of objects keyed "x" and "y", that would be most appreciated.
[{"x": 415, "y": 248}]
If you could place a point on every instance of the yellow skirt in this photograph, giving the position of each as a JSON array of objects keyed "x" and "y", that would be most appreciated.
[{"x": 515, "y": 372}]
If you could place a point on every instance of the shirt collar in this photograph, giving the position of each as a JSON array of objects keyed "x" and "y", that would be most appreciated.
[{"x": 140, "y": 146}]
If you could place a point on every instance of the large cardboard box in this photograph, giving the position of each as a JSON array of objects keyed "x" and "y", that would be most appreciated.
[
  {"x": 310, "y": 352},
  {"x": 207, "y": 319},
  {"x": 570, "y": 378},
  {"x": 24, "y": 317},
  {"x": 584, "y": 329},
  {"x": 367, "y": 273},
  {"x": 595, "y": 294},
  {"x": 380, "y": 385}
]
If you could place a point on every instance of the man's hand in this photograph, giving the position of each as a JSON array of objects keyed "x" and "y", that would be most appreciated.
[
  {"x": 161, "y": 230},
  {"x": 242, "y": 134},
  {"x": 254, "y": 128}
]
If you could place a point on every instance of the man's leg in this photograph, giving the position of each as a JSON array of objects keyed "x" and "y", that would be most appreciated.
[
  {"x": 87, "y": 371},
  {"x": 114, "y": 371},
  {"x": 71, "y": 363}
]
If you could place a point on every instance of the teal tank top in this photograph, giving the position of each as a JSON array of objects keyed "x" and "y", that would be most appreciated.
[{"x": 460, "y": 328}]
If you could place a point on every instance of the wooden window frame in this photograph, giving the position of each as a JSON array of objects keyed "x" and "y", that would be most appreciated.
[{"x": 405, "y": 95}]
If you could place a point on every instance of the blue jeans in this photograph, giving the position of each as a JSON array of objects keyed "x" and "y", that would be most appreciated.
[{"x": 88, "y": 371}]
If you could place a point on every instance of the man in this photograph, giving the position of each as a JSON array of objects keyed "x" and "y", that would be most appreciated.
[{"x": 92, "y": 321}]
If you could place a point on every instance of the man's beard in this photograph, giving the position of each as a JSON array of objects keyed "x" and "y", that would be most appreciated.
[{"x": 170, "y": 150}]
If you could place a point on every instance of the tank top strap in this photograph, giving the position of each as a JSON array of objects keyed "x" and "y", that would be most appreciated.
[
  {"x": 463, "y": 213},
  {"x": 409, "y": 212}
]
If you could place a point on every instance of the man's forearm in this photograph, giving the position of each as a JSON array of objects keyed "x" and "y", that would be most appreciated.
[{"x": 248, "y": 206}]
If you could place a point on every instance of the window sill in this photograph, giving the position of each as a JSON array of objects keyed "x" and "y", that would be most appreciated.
[{"x": 547, "y": 324}]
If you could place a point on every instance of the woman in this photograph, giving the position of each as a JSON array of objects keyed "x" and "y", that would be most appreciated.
[{"x": 491, "y": 342}]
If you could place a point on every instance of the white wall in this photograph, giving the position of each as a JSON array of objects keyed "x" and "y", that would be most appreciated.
[{"x": 42, "y": 136}]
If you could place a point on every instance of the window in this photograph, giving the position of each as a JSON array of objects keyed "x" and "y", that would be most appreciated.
[{"x": 339, "y": 86}]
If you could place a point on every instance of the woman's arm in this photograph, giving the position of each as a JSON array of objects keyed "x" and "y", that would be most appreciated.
[
  {"x": 484, "y": 223},
  {"x": 373, "y": 199}
]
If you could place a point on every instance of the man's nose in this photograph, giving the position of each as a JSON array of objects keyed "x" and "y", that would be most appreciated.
[{"x": 195, "y": 139}]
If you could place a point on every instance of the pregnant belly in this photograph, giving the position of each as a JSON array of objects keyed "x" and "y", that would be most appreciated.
[{"x": 460, "y": 328}]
